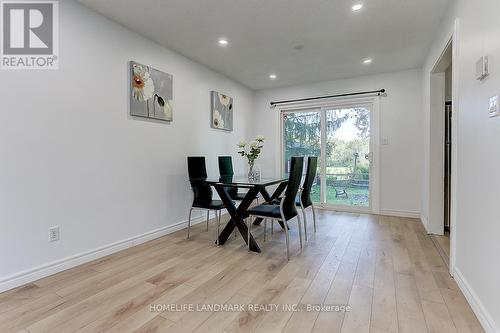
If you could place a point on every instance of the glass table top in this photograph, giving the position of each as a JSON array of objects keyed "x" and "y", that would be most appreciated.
[{"x": 243, "y": 180}]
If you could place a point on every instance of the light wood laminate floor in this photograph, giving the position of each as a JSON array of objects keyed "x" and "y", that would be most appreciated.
[
  {"x": 443, "y": 245},
  {"x": 386, "y": 268}
]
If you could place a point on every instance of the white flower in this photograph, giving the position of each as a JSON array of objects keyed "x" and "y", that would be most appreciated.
[
  {"x": 254, "y": 144},
  {"x": 259, "y": 138},
  {"x": 242, "y": 144},
  {"x": 217, "y": 120},
  {"x": 165, "y": 105},
  {"x": 167, "y": 109},
  {"x": 224, "y": 100},
  {"x": 142, "y": 84}
]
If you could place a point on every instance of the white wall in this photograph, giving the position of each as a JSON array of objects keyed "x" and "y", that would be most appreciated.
[
  {"x": 448, "y": 75},
  {"x": 72, "y": 156},
  {"x": 477, "y": 224},
  {"x": 401, "y": 123}
]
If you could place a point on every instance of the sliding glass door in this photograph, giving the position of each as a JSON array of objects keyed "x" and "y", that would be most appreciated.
[
  {"x": 347, "y": 169},
  {"x": 341, "y": 138},
  {"x": 302, "y": 137}
]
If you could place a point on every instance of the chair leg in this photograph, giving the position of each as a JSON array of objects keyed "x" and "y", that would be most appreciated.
[
  {"x": 287, "y": 242},
  {"x": 217, "y": 213},
  {"x": 305, "y": 221},
  {"x": 314, "y": 217},
  {"x": 208, "y": 216},
  {"x": 272, "y": 227},
  {"x": 299, "y": 223},
  {"x": 189, "y": 220}
]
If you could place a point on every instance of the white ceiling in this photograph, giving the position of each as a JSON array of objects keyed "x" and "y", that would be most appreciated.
[{"x": 263, "y": 35}]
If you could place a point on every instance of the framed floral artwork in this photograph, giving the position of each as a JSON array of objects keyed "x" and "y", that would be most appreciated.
[
  {"x": 150, "y": 92},
  {"x": 221, "y": 111}
]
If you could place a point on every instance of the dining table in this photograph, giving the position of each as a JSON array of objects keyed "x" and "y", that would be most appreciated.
[{"x": 239, "y": 213}]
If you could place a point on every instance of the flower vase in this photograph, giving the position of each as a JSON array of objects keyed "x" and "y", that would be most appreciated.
[{"x": 251, "y": 173}]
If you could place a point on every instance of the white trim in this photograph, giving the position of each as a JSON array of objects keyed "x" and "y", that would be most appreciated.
[
  {"x": 454, "y": 138},
  {"x": 436, "y": 152},
  {"x": 424, "y": 220},
  {"x": 359, "y": 210},
  {"x": 344, "y": 208},
  {"x": 475, "y": 303},
  {"x": 323, "y": 158},
  {"x": 31, "y": 275},
  {"x": 453, "y": 37},
  {"x": 400, "y": 213},
  {"x": 375, "y": 125}
]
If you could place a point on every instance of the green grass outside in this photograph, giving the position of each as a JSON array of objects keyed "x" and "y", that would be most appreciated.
[
  {"x": 338, "y": 170},
  {"x": 356, "y": 196}
]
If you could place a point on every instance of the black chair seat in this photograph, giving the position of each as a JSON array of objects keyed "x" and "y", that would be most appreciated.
[
  {"x": 271, "y": 211},
  {"x": 214, "y": 204},
  {"x": 278, "y": 201}
]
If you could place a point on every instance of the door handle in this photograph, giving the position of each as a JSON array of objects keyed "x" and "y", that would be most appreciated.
[{"x": 369, "y": 157}]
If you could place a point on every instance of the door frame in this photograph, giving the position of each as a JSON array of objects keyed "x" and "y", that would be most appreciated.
[
  {"x": 452, "y": 37},
  {"x": 336, "y": 103}
]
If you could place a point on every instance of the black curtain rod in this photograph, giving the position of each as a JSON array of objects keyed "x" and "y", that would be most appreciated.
[{"x": 378, "y": 92}]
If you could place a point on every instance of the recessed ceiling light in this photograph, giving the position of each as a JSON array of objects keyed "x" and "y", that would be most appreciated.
[
  {"x": 357, "y": 7},
  {"x": 367, "y": 61},
  {"x": 273, "y": 76},
  {"x": 223, "y": 42}
]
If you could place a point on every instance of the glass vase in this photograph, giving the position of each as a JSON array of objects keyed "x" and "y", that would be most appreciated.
[{"x": 251, "y": 173}]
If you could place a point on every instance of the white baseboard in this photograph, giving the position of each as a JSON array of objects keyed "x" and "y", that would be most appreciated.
[
  {"x": 387, "y": 212},
  {"x": 424, "y": 220},
  {"x": 400, "y": 213},
  {"x": 475, "y": 303},
  {"x": 30, "y": 275}
]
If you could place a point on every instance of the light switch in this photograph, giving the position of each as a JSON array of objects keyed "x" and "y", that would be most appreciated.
[
  {"x": 385, "y": 141},
  {"x": 493, "y": 110},
  {"x": 482, "y": 68}
]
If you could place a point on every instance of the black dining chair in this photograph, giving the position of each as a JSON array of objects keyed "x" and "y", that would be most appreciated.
[
  {"x": 287, "y": 209},
  {"x": 305, "y": 195},
  {"x": 202, "y": 192},
  {"x": 226, "y": 170},
  {"x": 303, "y": 200}
]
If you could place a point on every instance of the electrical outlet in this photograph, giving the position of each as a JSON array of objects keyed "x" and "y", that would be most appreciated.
[{"x": 53, "y": 234}]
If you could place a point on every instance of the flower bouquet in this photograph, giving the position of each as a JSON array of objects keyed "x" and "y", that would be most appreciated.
[{"x": 251, "y": 151}]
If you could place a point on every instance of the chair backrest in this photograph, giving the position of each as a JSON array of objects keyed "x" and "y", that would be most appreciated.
[
  {"x": 289, "y": 209},
  {"x": 226, "y": 166},
  {"x": 197, "y": 172},
  {"x": 196, "y": 167},
  {"x": 226, "y": 172},
  {"x": 312, "y": 166}
]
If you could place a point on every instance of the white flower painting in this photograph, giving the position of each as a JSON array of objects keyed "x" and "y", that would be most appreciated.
[
  {"x": 218, "y": 121},
  {"x": 151, "y": 92},
  {"x": 222, "y": 111}
]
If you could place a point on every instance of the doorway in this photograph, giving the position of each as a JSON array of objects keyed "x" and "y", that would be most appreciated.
[
  {"x": 341, "y": 137},
  {"x": 441, "y": 141}
]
